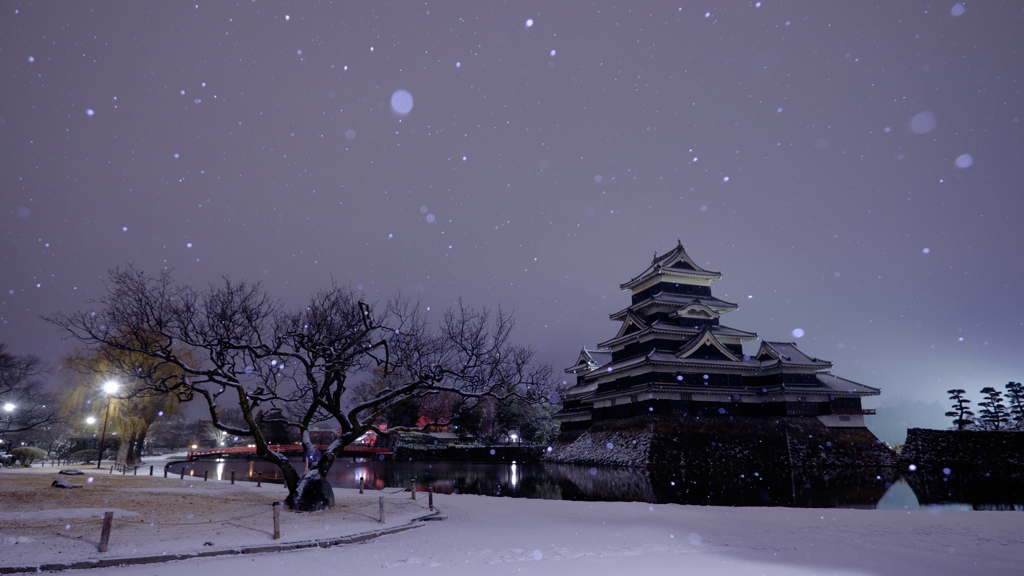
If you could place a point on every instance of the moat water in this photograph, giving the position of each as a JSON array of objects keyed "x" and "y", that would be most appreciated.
[{"x": 883, "y": 488}]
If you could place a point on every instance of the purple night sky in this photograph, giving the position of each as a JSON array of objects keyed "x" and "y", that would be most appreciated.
[{"x": 853, "y": 169}]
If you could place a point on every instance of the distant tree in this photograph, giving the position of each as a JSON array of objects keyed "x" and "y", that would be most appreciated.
[
  {"x": 24, "y": 405},
  {"x": 404, "y": 413},
  {"x": 1015, "y": 399},
  {"x": 961, "y": 413},
  {"x": 175, "y": 432},
  {"x": 133, "y": 408},
  {"x": 993, "y": 413},
  {"x": 302, "y": 367}
]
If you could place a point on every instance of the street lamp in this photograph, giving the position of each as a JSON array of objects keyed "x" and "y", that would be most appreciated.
[
  {"x": 8, "y": 407},
  {"x": 110, "y": 388}
]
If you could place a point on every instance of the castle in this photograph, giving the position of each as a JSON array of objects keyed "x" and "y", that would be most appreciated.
[{"x": 672, "y": 355}]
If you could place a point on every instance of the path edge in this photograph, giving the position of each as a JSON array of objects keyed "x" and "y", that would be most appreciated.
[{"x": 437, "y": 514}]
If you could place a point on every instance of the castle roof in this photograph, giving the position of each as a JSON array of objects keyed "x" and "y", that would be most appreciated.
[
  {"x": 787, "y": 354},
  {"x": 676, "y": 301},
  {"x": 675, "y": 264}
]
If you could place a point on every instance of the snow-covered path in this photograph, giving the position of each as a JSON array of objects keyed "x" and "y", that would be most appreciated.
[{"x": 514, "y": 536}]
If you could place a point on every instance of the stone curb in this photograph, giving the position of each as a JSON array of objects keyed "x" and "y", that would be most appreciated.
[{"x": 437, "y": 514}]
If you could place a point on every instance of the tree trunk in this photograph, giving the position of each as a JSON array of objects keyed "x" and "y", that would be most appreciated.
[
  {"x": 314, "y": 491},
  {"x": 139, "y": 444},
  {"x": 123, "y": 449}
]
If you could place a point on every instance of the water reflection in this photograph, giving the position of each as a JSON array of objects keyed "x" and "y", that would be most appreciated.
[{"x": 882, "y": 488}]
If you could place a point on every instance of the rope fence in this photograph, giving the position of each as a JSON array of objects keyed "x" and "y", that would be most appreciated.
[{"x": 108, "y": 524}]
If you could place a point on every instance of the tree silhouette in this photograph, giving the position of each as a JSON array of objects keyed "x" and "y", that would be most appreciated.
[
  {"x": 302, "y": 367},
  {"x": 1015, "y": 399},
  {"x": 993, "y": 412},
  {"x": 22, "y": 390},
  {"x": 961, "y": 413}
]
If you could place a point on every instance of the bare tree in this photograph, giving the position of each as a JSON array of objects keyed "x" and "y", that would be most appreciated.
[
  {"x": 301, "y": 367},
  {"x": 24, "y": 404}
]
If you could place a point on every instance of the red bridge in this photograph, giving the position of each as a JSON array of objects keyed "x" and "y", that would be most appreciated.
[{"x": 351, "y": 448}]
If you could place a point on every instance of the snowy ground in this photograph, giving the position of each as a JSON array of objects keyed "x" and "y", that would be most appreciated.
[{"x": 513, "y": 536}]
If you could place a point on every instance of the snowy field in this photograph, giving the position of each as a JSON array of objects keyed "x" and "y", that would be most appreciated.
[{"x": 485, "y": 535}]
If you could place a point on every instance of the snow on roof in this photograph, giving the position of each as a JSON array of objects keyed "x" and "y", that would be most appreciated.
[
  {"x": 787, "y": 353},
  {"x": 675, "y": 261},
  {"x": 839, "y": 384}
]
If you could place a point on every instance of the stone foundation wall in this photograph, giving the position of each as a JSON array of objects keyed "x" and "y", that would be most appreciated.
[
  {"x": 742, "y": 443},
  {"x": 964, "y": 450}
]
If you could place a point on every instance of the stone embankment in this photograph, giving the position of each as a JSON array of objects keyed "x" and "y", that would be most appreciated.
[
  {"x": 722, "y": 443},
  {"x": 469, "y": 453},
  {"x": 963, "y": 450}
]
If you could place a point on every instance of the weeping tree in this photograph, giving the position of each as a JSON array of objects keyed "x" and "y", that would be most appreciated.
[
  {"x": 133, "y": 409},
  {"x": 306, "y": 366}
]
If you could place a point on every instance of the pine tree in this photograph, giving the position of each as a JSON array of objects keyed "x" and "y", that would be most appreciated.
[
  {"x": 1015, "y": 399},
  {"x": 961, "y": 413},
  {"x": 993, "y": 412}
]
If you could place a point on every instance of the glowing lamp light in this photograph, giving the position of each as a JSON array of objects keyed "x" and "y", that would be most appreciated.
[
  {"x": 9, "y": 407},
  {"x": 110, "y": 387},
  {"x": 90, "y": 420},
  {"x": 194, "y": 446}
]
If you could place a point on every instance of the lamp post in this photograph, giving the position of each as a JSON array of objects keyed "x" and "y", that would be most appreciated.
[
  {"x": 8, "y": 408},
  {"x": 110, "y": 387}
]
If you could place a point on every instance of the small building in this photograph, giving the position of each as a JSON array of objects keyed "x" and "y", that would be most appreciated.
[{"x": 673, "y": 356}]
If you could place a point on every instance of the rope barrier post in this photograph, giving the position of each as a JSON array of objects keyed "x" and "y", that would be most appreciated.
[
  {"x": 381, "y": 502},
  {"x": 108, "y": 520},
  {"x": 182, "y": 473},
  {"x": 259, "y": 479},
  {"x": 430, "y": 497},
  {"x": 205, "y": 472},
  {"x": 232, "y": 476},
  {"x": 412, "y": 488},
  {"x": 361, "y": 484},
  {"x": 135, "y": 471},
  {"x": 165, "y": 472},
  {"x": 277, "y": 520},
  {"x": 111, "y": 469},
  {"x": 150, "y": 470},
  {"x": 124, "y": 470}
]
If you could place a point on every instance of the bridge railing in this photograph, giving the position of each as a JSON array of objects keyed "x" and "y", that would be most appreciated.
[{"x": 193, "y": 454}]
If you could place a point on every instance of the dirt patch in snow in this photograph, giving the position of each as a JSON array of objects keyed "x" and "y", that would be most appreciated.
[{"x": 154, "y": 516}]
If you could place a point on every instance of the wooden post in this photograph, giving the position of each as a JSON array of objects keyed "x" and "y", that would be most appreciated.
[
  {"x": 360, "y": 484},
  {"x": 232, "y": 476},
  {"x": 111, "y": 469},
  {"x": 108, "y": 520},
  {"x": 205, "y": 472},
  {"x": 124, "y": 470},
  {"x": 412, "y": 488},
  {"x": 277, "y": 520},
  {"x": 259, "y": 479},
  {"x": 430, "y": 497},
  {"x": 182, "y": 472},
  {"x": 150, "y": 470},
  {"x": 135, "y": 471},
  {"x": 381, "y": 502}
]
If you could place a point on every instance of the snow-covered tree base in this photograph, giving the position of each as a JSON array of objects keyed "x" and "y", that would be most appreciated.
[{"x": 313, "y": 493}]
